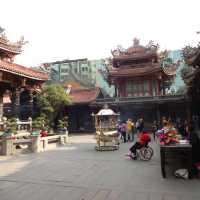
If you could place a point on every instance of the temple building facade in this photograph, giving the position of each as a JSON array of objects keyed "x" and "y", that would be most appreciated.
[
  {"x": 18, "y": 84},
  {"x": 79, "y": 112},
  {"x": 137, "y": 72},
  {"x": 142, "y": 78}
]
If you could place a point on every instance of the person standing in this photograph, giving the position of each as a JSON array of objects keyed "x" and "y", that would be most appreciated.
[
  {"x": 123, "y": 131},
  {"x": 154, "y": 128},
  {"x": 119, "y": 124},
  {"x": 129, "y": 129},
  {"x": 141, "y": 125},
  {"x": 186, "y": 129},
  {"x": 133, "y": 131},
  {"x": 137, "y": 126}
]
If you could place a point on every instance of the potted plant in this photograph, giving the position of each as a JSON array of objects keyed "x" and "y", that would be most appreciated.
[
  {"x": 37, "y": 125},
  {"x": 62, "y": 125},
  {"x": 10, "y": 128}
]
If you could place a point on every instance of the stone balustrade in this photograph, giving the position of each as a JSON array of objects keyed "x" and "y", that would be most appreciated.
[{"x": 34, "y": 143}]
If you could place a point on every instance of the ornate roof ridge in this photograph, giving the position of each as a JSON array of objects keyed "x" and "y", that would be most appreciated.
[
  {"x": 14, "y": 47},
  {"x": 135, "y": 49},
  {"x": 137, "y": 65}
]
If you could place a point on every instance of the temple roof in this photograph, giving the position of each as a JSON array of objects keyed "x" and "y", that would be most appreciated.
[
  {"x": 141, "y": 70},
  {"x": 23, "y": 71},
  {"x": 138, "y": 60},
  {"x": 135, "y": 56},
  {"x": 7, "y": 46},
  {"x": 86, "y": 95},
  {"x": 135, "y": 52}
]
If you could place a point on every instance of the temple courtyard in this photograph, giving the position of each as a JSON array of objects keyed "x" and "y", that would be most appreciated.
[{"x": 78, "y": 172}]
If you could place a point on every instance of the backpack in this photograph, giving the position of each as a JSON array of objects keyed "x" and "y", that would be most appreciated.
[{"x": 123, "y": 127}]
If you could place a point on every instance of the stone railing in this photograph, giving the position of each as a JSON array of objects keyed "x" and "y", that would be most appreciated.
[{"x": 33, "y": 143}]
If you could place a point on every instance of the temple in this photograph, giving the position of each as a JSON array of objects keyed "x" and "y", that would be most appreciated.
[
  {"x": 18, "y": 84},
  {"x": 137, "y": 71},
  {"x": 142, "y": 78},
  {"x": 79, "y": 112}
]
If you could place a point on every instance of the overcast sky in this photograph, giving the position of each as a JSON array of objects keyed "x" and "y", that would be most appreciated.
[{"x": 69, "y": 29}]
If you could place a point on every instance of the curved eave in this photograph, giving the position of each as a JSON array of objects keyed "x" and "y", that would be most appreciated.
[
  {"x": 84, "y": 96},
  {"x": 134, "y": 72},
  {"x": 10, "y": 50},
  {"x": 134, "y": 57},
  {"x": 10, "y": 68}
]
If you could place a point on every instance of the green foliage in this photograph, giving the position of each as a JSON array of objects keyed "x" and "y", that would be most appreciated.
[
  {"x": 11, "y": 125},
  {"x": 63, "y": 123},
  {"x": 39, "y": 123},
  {"x": 52, "y": 100}
]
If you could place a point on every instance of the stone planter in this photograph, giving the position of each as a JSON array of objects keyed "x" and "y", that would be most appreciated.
[{"x": 7, "y": 146}]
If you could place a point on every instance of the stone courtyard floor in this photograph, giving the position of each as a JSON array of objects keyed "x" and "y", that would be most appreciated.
[{"x": 78, "y": 172}]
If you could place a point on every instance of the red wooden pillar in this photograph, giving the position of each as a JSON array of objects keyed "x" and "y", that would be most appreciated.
[{"x": 123, "y": 88}]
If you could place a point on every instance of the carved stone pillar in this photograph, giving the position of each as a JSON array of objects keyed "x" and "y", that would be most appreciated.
[
  {"x": 17, "y": 102},
  {"x": 116, "y": 93},
  {"x": 163, "y": 87},
  {"x": 31, "y": 102},
  {"x": 1, "y": 106}
]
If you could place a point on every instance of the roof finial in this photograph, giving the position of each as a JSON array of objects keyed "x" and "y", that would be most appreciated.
[
  {"x": 136, "y": 42},
  {"x": 1, "y": 30}
]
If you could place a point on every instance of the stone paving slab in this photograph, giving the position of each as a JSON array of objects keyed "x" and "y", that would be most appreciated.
[{"x": 78, "y": 172}]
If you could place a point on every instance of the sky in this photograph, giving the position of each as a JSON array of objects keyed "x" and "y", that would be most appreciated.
[{"x": 73, "y": 29}]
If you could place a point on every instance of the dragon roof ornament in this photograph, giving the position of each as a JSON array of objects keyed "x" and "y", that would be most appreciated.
[
  {"x": 136, "y": 48},
  {"x": 14, "y": 47}
]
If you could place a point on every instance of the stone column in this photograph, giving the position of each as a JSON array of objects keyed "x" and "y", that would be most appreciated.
[
  {"x": 36, "y": 145},
  {"x": 7, "y": 147},
  {"x": 116, "y": 95},
  {"x": 17, "y": 102},
  {"x": 31, "y": 103},
  {"x": 1, "y": 105},
  {"x": 163, "y": 88}
]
